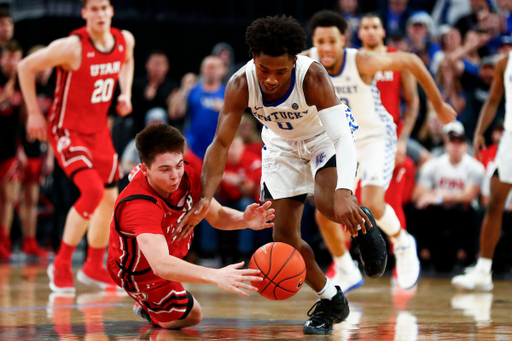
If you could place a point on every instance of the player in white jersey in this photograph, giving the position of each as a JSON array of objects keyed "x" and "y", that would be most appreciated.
[
  {"x": 308, "y": 149},
  {"x": 479, "y": 277},
  {"x": 352, "y": 73}
]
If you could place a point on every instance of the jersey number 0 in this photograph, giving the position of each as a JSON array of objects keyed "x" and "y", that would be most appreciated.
[{"x": 103, "y": 89}]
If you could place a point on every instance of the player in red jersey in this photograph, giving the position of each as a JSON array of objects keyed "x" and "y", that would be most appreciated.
[
  {"x": 89, "y": 63},
  {"x": 10, "y": 103},
  {"x": 144, "y": 258}
]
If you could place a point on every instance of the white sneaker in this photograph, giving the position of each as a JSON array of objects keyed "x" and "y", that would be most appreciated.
[
  {"x": 347, "y": 279},
  {"x": 474, "y": 279},
  {"x": 407, "y": 264}
]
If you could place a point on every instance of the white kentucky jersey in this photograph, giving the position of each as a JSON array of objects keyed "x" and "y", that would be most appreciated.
[
  {"x": 439, "y": 173},
  {"x": 290, "y": 117},
  {"x": 363, "y": 99},
  {"x": 507, "y": 79}
]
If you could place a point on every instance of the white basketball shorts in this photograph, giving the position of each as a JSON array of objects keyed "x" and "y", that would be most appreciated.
[{"x": 504, "y": 157}]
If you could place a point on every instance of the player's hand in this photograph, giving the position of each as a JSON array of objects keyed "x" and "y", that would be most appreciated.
[
  {"x": 446, "y": 113},
  {"x": 37, "y": 125},
  {"x": 124, "y": 105},
  {"x": 348, "y": 213},
  {"x": 192, "y": 218},
  {"x": 231, "y": 278},
  {"x": 478, "y": 144},
  {"x": 401, "y": 152},
  {"x": 259, "y": 217}
]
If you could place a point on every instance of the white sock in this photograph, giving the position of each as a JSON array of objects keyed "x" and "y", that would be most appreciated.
[
  {"x": 401, "y": 240},
  {"x": 329, "y": 290},
  {"x": 484, "y": 265},
  {"x": 345, "y": 261},
  {"x": 389, "y": 222}
]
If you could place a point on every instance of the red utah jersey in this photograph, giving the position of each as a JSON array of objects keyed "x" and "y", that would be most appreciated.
[
  {"x": 388, "y": 83},
  {"x": 138, "y": 210},
  {"x": 83, "y": 97}
]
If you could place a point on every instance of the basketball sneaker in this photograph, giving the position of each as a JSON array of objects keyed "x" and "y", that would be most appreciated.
[
  {"x": 347, "y": 279},
  {"x": 96, "y": 276},
  {"x": 372, "y": 248},
  {"x": 326, "y": 313},
  {"x": 141, "y": 312},
  {"x": 407, "y": 263},
  {"x": 474, "y": 279},
  {"x": 61, "y": 278},
  {"x": 32, "y": 249}
]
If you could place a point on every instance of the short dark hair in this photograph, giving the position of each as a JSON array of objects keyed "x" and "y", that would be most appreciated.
[
  {"x": 327, "y": 18},
  {"x": 156, "y": 52},
  {"x": 12, "y": 46},
  {"x": 158, "y": 139},
  {"x": 5, "y": 12},
  {"x": 373, "y": 15},
  {"x": 275, "y": 36},
  {"x": 84, "y": 2}
]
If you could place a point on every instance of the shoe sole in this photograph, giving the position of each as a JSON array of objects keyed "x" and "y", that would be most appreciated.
[
  {"x": 487, "y": 287},
  {"x": 83, "y": 278},
  {"x": 355, "y": 286},
  {"x": 55, "y": 288},
  {"x": 375, "y": 229}
]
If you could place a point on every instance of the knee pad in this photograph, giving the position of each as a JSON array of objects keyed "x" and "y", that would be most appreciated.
[{"x": 91, "y": 189}]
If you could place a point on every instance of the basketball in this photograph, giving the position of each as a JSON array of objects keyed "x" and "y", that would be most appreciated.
[{"x": 283, "y": 270}]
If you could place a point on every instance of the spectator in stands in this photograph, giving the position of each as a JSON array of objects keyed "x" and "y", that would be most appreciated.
[
  {"x": 250, "y": 133},
  {"x": 448, "y": 12},
  {"x": 450, "y": 87},
  {"x": 481, "y": 19},
  {"x": 152, "y": 90},
  {"x": 446, "y": 188},
  {"x": 226, "y": 53},
  {"x": 450, "y": 40},
  {"x": 202, "y": 106},
  {"x": 395, "y": 16},
  {"x": 178, "y": 99},
  {"x": 6, "y": 27},
  {"x": 419, "y": 26},
  {"x": 349, "y": 9}
]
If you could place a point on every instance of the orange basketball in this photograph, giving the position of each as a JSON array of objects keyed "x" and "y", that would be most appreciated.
[{"x": 283, "y": 270}]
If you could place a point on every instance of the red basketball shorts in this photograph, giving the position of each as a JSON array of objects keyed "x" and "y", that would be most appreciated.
[
  {"x": 165, "y": 303},
  {"x": 31, "y": 173},
  {"x": 9, "y": 170},
  {"x": 75, "y": 151}
]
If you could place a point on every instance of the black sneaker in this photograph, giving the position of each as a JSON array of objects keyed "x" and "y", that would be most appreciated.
[
  {"x": 326, "y": 313},
  {"x": 372, "y": 248}
]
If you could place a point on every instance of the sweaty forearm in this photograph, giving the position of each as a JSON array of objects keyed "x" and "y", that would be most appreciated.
[
  {"x": 411, "y": 112},
  {"x": 175, "y": 269},
  {"x": 27, "y": 81},
  {"x": 229, "y": 219},
  {"x": 213, "y": 168},
  {"x": 126, "y": 78},
  {"x": 486, "y": 116}
]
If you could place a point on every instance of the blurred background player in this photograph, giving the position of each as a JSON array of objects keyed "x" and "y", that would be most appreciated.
[
  {"x": 480, "y": 276},
  {"x": 39, "y": 164},
  {"x": 89, "y": 62},
  {"x": 352, "y": 73},
  {"x": 10, "y": 152}
]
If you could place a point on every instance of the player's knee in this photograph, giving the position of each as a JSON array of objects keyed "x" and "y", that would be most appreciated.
[
  {"x": 293, "y": 239},
  {"x": 91, "y": 192}
]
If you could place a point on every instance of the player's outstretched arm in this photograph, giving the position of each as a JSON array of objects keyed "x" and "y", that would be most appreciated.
[
  {"x": 368, "y": 63},
  {"x": 66, "y": 53},
  {"x": 255, "y": 217},
  {"x": 236, "y": 99},
  {"x": 319, "y": 91},
  {"x": 124, "y": 101},
  {"x": 412, "y": 104},
  {"x": 230, "y": 278},
  {"x": 488, "y": 111}
]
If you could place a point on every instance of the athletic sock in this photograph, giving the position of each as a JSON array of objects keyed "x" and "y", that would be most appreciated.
[
  {"x": 401, "y": 240},
  {"x": 484, "y": 265},
  {"x": 389, "y": 222},
  {"x": 329, "y": 290},
  {"x": 65, "y": 255},
  {"x": 95, "y": 256},
  {"x": 345, "y": 261}
]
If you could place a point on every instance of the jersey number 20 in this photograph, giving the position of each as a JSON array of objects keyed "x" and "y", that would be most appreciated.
[{"x": 103, "y": 89}]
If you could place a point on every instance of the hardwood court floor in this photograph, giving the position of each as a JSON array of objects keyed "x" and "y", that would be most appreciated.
[{"x": 436, "y": 311}]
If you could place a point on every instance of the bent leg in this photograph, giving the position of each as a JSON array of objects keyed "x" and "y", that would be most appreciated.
[
  {"x": 194, "y": 317},
  {"x": 491, "y": 226},
  {"x": 98, "y": 233},
  {"x": 333, "y": 235}
]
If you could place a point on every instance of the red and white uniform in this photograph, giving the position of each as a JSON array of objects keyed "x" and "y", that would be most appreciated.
[
  {"x": 78, "y": 130},
  {"x": 139, "y": 210}
]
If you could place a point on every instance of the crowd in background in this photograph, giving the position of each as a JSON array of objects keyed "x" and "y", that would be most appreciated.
[{"x": 459, "y": 41}]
